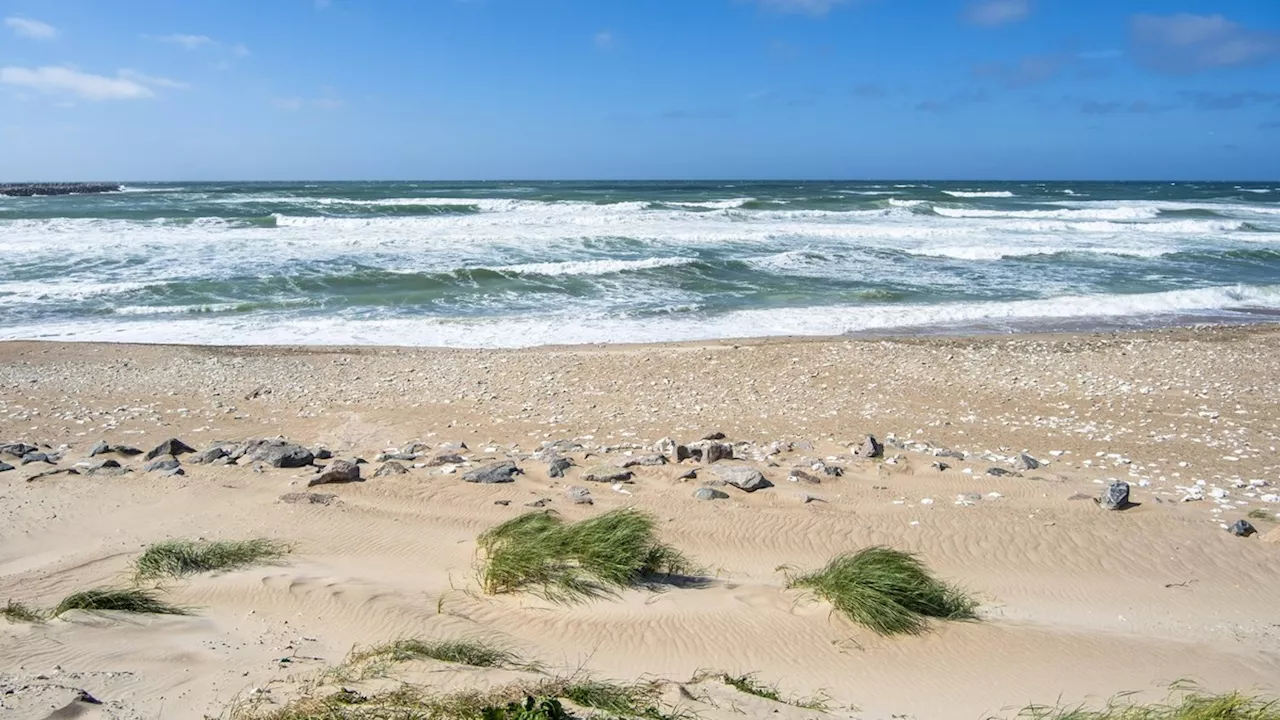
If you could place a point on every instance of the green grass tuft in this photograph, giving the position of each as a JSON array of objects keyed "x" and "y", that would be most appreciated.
[
  {"x": 133, "y": 600},
  {"x": 1261, "y": 514},
  {"x": 889, "y": 591},
  {"x": 175, "y": 558},
  {"x": 19, "y": 612},
  {"x": 575, "y": 562},
  {"x": 749, "y": 685},
  {"x": 463, "y": 652},
  {"x": 1182, "y": 706}
]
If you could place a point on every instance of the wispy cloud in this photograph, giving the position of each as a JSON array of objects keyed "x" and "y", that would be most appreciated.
[
  {"x": 190, "y": 42},
  {"x": 603, "y": 39},
  {"x": 239, "y": 50},
  {"x": 809, "y": 7},
  {"x": 152, "y": 80},
  {"x": 990, "y": 13},
  {"x": 954, "y": 101},
  {"x": 33, "y": 29},
  {"x": 1231, "y": 100},
  {"x": 1184, "y": 43},
  {"x": 1030, "y": 70},
  {"x": 1117, "y": 107},
  {"x": 58, "y": 80}
]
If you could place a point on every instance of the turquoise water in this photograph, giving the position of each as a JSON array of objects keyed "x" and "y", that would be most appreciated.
[{"x": 515, "y": 263}]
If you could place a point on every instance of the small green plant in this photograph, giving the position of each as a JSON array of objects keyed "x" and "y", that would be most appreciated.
[
  {"x": 531, "y": 709},
  {"x": 1261, "y": 514},
  {"x": 19, "y": 612},
  {"x": 463, "y": 652},
  {"x": 886, "y": 590},
  {"x": 1182, "y": 705},
  {"x": 175, "y": 558},
  {"x": 133, "y": 600},
  {"x": 578, "y": 561},
  {"x": 749, "y": 685}
]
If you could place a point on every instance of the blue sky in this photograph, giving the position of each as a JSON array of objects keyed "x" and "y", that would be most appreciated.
[{"x": 452, "y": 89}]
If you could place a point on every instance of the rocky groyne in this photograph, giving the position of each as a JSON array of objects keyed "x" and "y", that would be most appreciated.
[{"x": 34, "y": 189}]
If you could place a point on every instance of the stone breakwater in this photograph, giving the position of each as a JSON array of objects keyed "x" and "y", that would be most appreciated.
[{"x": 34, "y": 189}]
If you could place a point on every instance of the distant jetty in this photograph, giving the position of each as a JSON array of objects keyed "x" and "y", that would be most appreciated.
[{"x": 33, "y": 189}]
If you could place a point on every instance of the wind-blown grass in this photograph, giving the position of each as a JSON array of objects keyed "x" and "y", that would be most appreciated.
[
  {"x": 1182, "y": 706},
  {"x": 175, "y": 558},
  {"x": 463, "y": 652},
  {"x": 889, "y": 591},
  {"x": 133, "y": 600},
  {"x": 19, "y": 612},
  {"x": 575, "y": 562}
]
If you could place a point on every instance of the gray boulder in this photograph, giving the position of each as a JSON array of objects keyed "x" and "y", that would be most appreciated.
[
  {"x": 280, "y": 453},
  {"x": 870, "y": 448},
  {"x": 707, "y": 493},
  {"x": 558, "y": 467},
  {"x": 503, "y": 472},
  {"x": 338, "y": 471},
  {"x": 1116, "y": 496},
  {"x": 17, "y": 449},
  {"x": 204, "y": 457},
  {"x": 164, "y": 463},
  {"x": 999, "y": 472},
  {"x": 127, "y": 450},
  {"x": 5, "y": 467},
  {"x": 405, "y": 456},
  {"x": 646, "y": 460},
  {"x": 322, "y": 453},
  {"x": 445, "y": 459},
  {"x": 607, "y": 474},
  {"x": 1025, "y": 462},
  {"x": 579, "y": 495},
  {"x": 1242, "y": 528},
  {"x": 941, "y": 466},
  {"x": 33, "y": 457},
  {"x": 107, "y": 468},
  {"x": 717, "y": 435},
  {"x": 99, "y": 448},
  {"x": 804, "y": 476},
  {"x": 743, "y": 477},
  {"x": 684, "y": 452},
  {"x": 390, "y": 468},
  {"x": 172, "y": 446},
  {"x": 717, "y": 451}
]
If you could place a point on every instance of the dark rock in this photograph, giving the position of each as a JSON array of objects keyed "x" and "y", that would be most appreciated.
[
  {"x": 100, "y": 448},
  {"x": 870, "y": 448},
  {"x": 416, "y": 448},
  {"x": 51, "y": 473},
  {"x": 832, "y": 470},
  {"x": 108, "y": 468},
  {"x": 338, "y": 471},
  {"x": 646, "y": 460},
  {"x": 322, "y": 453},
  {"x": 707, "y": 493},
  {"x": 540, "y": 502},
  {"x": 1116, "y": 496},
  {"x": 34, "y": 189},
  {"x": 407, "y": 457},
  {"x": 717, "y": 451},
  {"x": 504, "y": 503},
  {"x": 953, "y": 454},
  {"x": 390, "y": 468},
  {"x": 558, "y": 467},
  {"x": 127, "y": 450},
  {"x": 162, "y": 464},
  {"x": 743, "y": 477},
  {"x": 445, "y": 459},
  {"x": 941, "y": 466},
  {"x": 579, "y": 495},
  {"x": 690, "y": 474},
  {"x": 5, "y": 467},
  {"x": 17, "y": 449},
  {"x": 684, "y": 452},
  {"x": 453, "y": 447},
  {"x": 804, "y": 476},
  {"x": 503, "y": 472},
  {"x": 32, "y": 457},
  {"x": 172, "y": 446},
  {"x": 280, "y": 453},
  {"x": 308, "y": 498},
  {"x": 1242, "y": 528},
  {"x": 713, "y": 436},
  {"x": 1025, "y": 462},
  {"x": 999, "y": 472},
  {"x": 606, "y": 474},
  {"x": 204, "y": 457}
]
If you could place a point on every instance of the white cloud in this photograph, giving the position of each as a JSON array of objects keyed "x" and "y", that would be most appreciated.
[
  {"x": 56, "y": 80},
  {"x": 812, "y": 7},
  {"x": 239, "y": 50},
  {"x": 287, "y": 103},
  {"x": 997, "y": 12},
  {"x": 1185, "y": 43},
  {"x": 152, "y": 80},
  {"x": 190, "y": 42},
  {"x": 603, "y": 39},
  {"x": 28, "y": 28}
]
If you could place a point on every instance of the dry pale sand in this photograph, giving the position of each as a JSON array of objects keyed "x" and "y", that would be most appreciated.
[{"x": 1078, "y": 602}]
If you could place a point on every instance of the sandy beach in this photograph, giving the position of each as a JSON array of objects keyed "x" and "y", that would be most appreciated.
[{"x": 1078, "y": 603}]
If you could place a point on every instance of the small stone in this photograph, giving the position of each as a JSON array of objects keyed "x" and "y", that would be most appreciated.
[
  {"x": 941, "y": 466},
  {"x": 108, "y": 468},
  {"x": 646, "y": 461},
  {"x": 390, "y": 468},
  {"x": 503, "y": 472},
  {"x": 1116, "y": 496},
  {"x": 503, "y": 503},
  {"x": 716, "y": 452},
  {"x": 743, "y": 477},
  {"x": 453, "y": 447},
  {"x": 1242, "y": 528},
  {"x": 717, "y": 435},
  {"x": 100, "y": 448},
  {"x": 579, "y": 495},
  {"x": 870, "y": 448},
  {"x": 999, "y": 472},
  {"x": 558, "y": 467},
  {"x": 953, "y": 454},
  {"x": 338, "y": 471},
  {"x": 445, "y": 459},
  {"x": 322, "y": 453},
  {"x": 540, "y": 502},
  {"x": 54, "y": 471},
  {"x": 162, "y": 464},
  {"x": 969, "y": 497},
  {"x": 1025, "y": 462},
  {"x": 308, "y": 498},
  {"x": 802, "y": 476},
  {"x": 407, "y": 457},
  {"x": 204, "y": 457},
  {"x": 127, "y": 450},
  {"x": 706, "y": 493},
  {"x": 684, "y": 452},
  {"x": 172, "y": 446},
  {"x": 17, "y": 449},
  {"x": 690, "y": 474},
  {"x": 5, "y": 467},
  {"x": 33, "y": 457},
  {"x": 280, "y": 453},
  {"x": 607, "y": 474},
  {"x": 665, "y": 446}
]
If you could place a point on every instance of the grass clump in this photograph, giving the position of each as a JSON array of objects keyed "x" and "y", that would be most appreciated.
[
  {"x": 20, "y": 612},
  {"x": 1261, "y": 514},
  {"x": 889, "y": 591},
  {"x": 463, "y": 652},
  {"x": 133, "y": 600},
  {"x": 1182, "y": 706},
  {"x": 750, "y": 685},
  {"x": 175, "y": 558},
  {"x": 575, "y": 562}
]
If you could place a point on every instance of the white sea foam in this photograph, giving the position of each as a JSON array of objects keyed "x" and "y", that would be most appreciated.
[
  {"x": 715, "y": 204},
  {"x": 999, "y": 252},
  {"x": 980, "y": 193},
  {"x": 594, "y": 267},
  {"x": 1117, "y": 213}
]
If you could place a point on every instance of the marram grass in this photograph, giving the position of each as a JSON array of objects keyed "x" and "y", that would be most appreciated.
[
  {"x": 20, "y": 612},
  {"x": 573, "y": 562},
  {"x": 133, "y": 600},
  {"x": 475, "y": 653},
  {"x": 175, "y": 558},
  {"x": 1182, "y": 705},
  {"x": 889, "y": 591}
]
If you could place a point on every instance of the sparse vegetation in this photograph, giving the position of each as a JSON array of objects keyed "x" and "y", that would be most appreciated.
[
  {"x": 889, "y": 591},
  {"x": 620, "y": 700},
  {"x": 1183, "y": 705},
  {"x": 19, "y": 612},
  {"x": 133, "y": 600},
  {"x": 1262, "y": 514},
  {"x": 750, "y": 685},
  {"x": 574, "y": 562},
  {"x": 464, "y": 652},
  {"x": 175, "y": 558}
]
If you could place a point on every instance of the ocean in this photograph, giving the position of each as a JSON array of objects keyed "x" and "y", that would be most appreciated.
[{"x": 510, "y": 264}]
